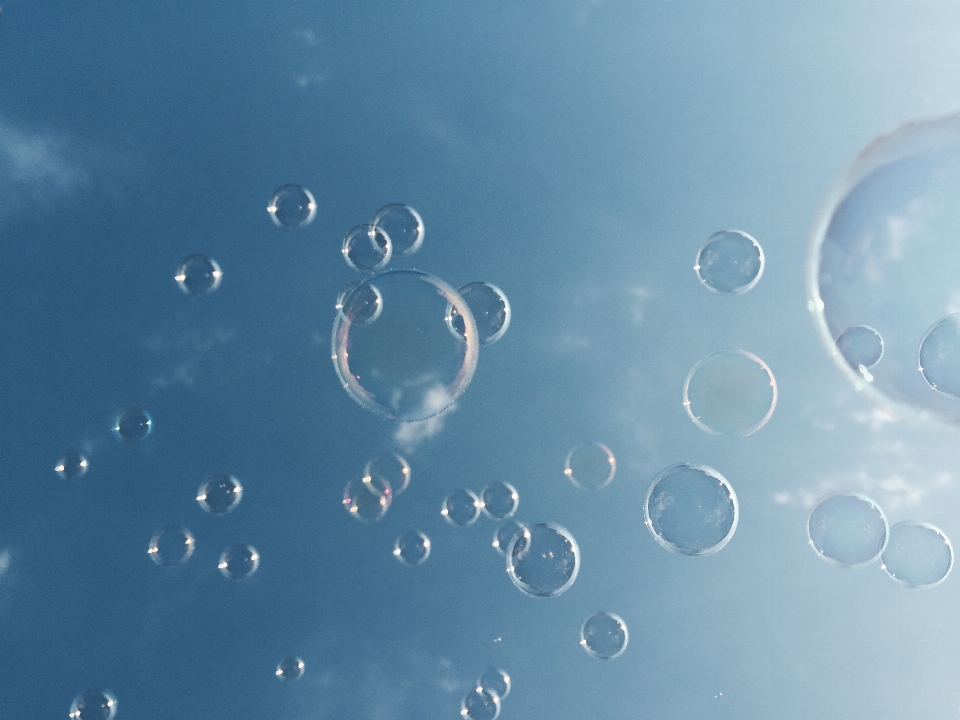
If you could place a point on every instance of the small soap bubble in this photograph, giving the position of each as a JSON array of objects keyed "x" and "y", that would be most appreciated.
[
  {"x": 917, "y": 555},
  {"x": 412, "y": 548},
  {"x": 543, "y": 560},
  {"x": 392, "y": 468},
  {"x": 403, "y": 225},
  {"x": 730, "y": 392},
  {"x": 495, "y": 681},
  {"x": 847, "y": 529},
  {"x": 367, "y": 498},
  {"x": 500, "y": 500},
  {"x": 292, "y": 207},
  {"x": 198, "y": 275},
  {"x": 359, "y": 303},
  {"x": 461, "y": 508},
  {"x": 590, "y": 465},
  {"x": 173, "y": 545},
  {"x": 691, "y": 509},
  {"x": 132, "y": 425},
  {"x": 730, "y": 262},
  {"x": 939, "y": 356},
  {"x": 239, "y": 561},
  {"x": 220, "y": 494},
  {"x": 94, "y": 704},
  {"x": 505, "y": 535},
  {"x": 72, "y": 465},
  {"x": 490, "y": 309},
  {"x": 290, "y": 669},
  {"x": 604, "y": 635},
  {"x": 367, "y": 248},
  {"x": 861, "y": 347},
  {"x": 480, "y": 705}
]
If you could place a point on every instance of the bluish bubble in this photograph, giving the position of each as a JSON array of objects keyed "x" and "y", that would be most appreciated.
[
  {"x": 392, "y": 468},
  {"x": 490, "y": 309},
  {"x": 412, "y": 548},
  {"x": 917, "y": 555},
  {"x": 861, "y": 347},
  {"x": 94, "y": 704},
  {"x": 590, "y": 466},
  {"x": 132, "y": 425},
  {"x": 367, "y": 249},
  {"x": 173, "y": 545},
  {"x": 290, "y": 669},
  {"x": 479, "y": 705},
  {"x": 730, "y": 262},
  {"x": 939, "y": 356},
  {"x": 505, "y": 535},
  {"x": 360, "y": 303},
  {"x": 72, "y": 465},
  {"x": 730, "y": 392},
  {"x": 500, "y": 500},
  {"x": 543, "y": 560},
  {"x": 691, "y": 509},
  {"x": 220, "y": 494},
  {"x": 461, "y": 508},
  {"x": 239, "y": 561},
  {"x": 292, "y": 207},
  {"x": 403, "y": 225},
  {"x": 198, "y": 275},
  {"x": 847, "y": 529},
  {"x": 604, "y": 635},
  {"x": 367, "y": 498},
  {"x": 495, "y": 681}
]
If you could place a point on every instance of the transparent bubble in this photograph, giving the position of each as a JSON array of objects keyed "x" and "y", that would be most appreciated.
[
  {"x": 292, "y": 207},
  {"x": 412, "y": 548},
  {"x": 72, "y": 465},
  {"x": 939, "y": 356},
  {"x": 847, "y": 529},
  {"x": 392, "y": 468},
  {"x": 171, "y": 546},
  {"x": 367, "y": 249},
  {"x": 490, "y": 308},
  {"x": 495, "y": 681},
  {"x": 730, "y": 262},
  {"x": 604, "y": 635},
  {"x": 480, "y": 705},
  {"x": 360, "y": 303},
  {"x": 403, "y": 225},
  {"x": 543, "y": 560},
  {"x": 290, "y": 668},
  {"x": 367, "y": 498},
  {"x": 198, "y": 275},
  {"x": 505, "y": 535},
  {"x": 500, "y": 500},
  {"x": 730, "y": 392},
  {"x": 861, "y": 347},
  {"x": 132, "y": 425},
  {"x": 406, "y": 366},
  {"x": 917, "y": 555},
  {"x": 590, "y": 465},
  {"x": 220, "y": 493},
  {"x": 94, "y": 704},
  {"x": 239, "y": 561},
  {"x": 691, "y": 509},
  {"x": 461, "y": 508}
]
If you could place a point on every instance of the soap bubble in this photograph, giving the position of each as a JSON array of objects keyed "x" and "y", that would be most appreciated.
[
  {"x": 367, "y": 498},
  {"x": 220, "y": 493},
  {"x": 604, "y": 635},
  {"x": 500, "y": 500},
  {"x": 917, "y": 555},
  {"x": 132, "y": 425},
  {"x": 290, "y": 668},
  {"x": 939, "y": 356},
  {"x": 239, "y": 561},
  {"x": 367, "y": 249},
  {"x": 691, "y": 509},
  {"x": 861, "y": 347},
  {"x": 490, "y": 308},
  {"x": 392, "y": 468},
  {"x": 480, "y": 705},
  {"x": 847, "y": 529},
  {"x": 730, "y": 392},
  {"x": 406, "y": 366},
  {"x": 543, "y": 560},
  {"x": 198, "y": 275},
  {"x": 461, "y": 508},
  {"x": 412, "y": 548},
  {"x": 730, "y": 262},
  {"x": 403, "y": 225},
  {"x": 292, "y": 207},
  {"x": 590, "y": 465},
  {"x": 359, "y": 302},
  {"x": 72, "y": 465},
  {"x": 505, "y": 535},
  {"x": 495, "y": 681},
  {"x": 171, "y": 546},
  {"x": 94, "y": 704}
]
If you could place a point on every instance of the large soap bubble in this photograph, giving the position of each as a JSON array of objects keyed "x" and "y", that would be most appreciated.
[
  {"x": 72, "y": 465},
  {"x": 290, "y": 669},
  {"x": 500, "y": 500},
  {"x": 490, "y": 308},
  {"x": 405, "y": 365},
  {"x": 730, "y": 392},
  {"x": 199, "y": 275},
  {"x": 239, "y": 561},
  {"x": 367, "y": 498},
  {"x": 917, "y": 555},
  {"x": 590, "y": 465},
  {"x": 367, "y": 248},
  {"x": 171, "y": 546},
  {"x": 292, "y": 207},
  {"x": 131, "y": 425},
  {"x": 730, "y": 262},
  {"x": 495, "y": 681},
  {"x": 543, "y": 559},
  {"x": 847, "y": 529},
  {"x": 478, "y": 704},
  {"x": 392, "y": 468},
  {"x": 461, "y": 508},
  {"x": 94, "y": 704},
  {"x": 412, "y": 548},
  {"x": 604, "y": 635},
  {"x": 403, "y": 225}
]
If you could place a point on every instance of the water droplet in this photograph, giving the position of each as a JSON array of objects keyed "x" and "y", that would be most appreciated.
[
  {"x": 220, "y": 494},
  {"x": 239, "y": 561},
  {"x": 490, "y": 309},
  {"x": 479, "y": 705},
  {"x": 590, "y": 465},
  {"x": 730, "y": 392},
  {"x": 292, "y": 207},
  {"x": 461, "y": 508},
  {"x": 730, "y": 262},
  {"x": 917, "y": 555},
  {"x": 94, "y": 704},
  {"x": 403, "y": 225},
  {"x": 847, "y": 529},
  {"x": 198, "y": 275},
  {"x": 367, "y": 498},
  {"x": 393, "y": 469},
  {"x": 543, "y": 560},
  {"x": 367, "y": 249},
  {"x": 604, "y": 635},
  {"x": 171, "y": 546},
  {"x": 72, "y": 465},
  {"x": 290, "y": 669},
  {"x": 132, "y": 425},
  {"x": 412, "y": 548},
  {"x": 500, "y": 500}
]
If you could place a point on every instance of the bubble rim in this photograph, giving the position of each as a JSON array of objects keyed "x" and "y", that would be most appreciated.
[
  {"x": 513, "y": 493},
  {"x": 398, "y": 554},
  {"x": 612, "y": 459},
  {"x": 616, "y": 618},
  {"x": 345, "y": 249},
  {"x": 743, "y": 288},
  {"x": 752, "y": 428},
  {"x": 837, "y": 563},
  {"x": 926, "y": 526},
  {"x": 311, "y": 206},
  {"x": 422, "y": 230},
  {"x": 511, "y": 569},
  {"x": 477, "y": 505},
  {"x": 507, "y": 313},
  {"x": 153, "y": 549}
]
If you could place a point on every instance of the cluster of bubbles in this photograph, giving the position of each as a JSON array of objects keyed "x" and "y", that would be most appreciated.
[{"x": 484, "y": 701}]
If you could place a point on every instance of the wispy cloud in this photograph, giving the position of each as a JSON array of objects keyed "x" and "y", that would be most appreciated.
[
  {"x": 409, "y": 435},
  {"x": 188, "y": 349}
]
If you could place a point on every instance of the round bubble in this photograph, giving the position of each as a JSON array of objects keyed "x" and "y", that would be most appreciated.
[
  {"x": 367, "y": 498},
  {"x": 604, "y": 635},
  {"x": 461, "y": 508},
  {"x": 490, "y": 308},
  {"x": 292, "y": 207},
  {"x": 847, "y": 529},
  {"x": 730, "y": 392},
  {"x": 360, "y": 302},
  {"x": 691, "y": 509},
  {"x": 290, "y": 668},
  {"x": 72, "y": 465},
  {"x": 403, "y": 225},
  {"x": 198, "y": 275},
  {"x": 171, "y": 546},
  {"x": 495, "y": 681},
  {"x": 500, "y": 500},
  {"x": 543, "y": 560},
  {"x": 730, "y": 262},
  {"x": 861, "y": 347},
  {"x": 239, "y": 561},
  {"x": 406, "y": 366},
  {"x": 412, "y": 548},
  {"x": 220, "y": 493},
  {"x": 939, "y": 356},
  {"x": 392, "y": 468},
  {"x": 94, "y": 704},
  {"x": 505, "y": 535},
  {"x": 917, "y": 555},
  {"x": 480, "y": 705},
  {"x": 132, "y": 425},
  {"x": 590, "y": 465},
  {"x": 367, "y": 248}
]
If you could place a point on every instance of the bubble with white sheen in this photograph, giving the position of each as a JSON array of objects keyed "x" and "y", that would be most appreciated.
[
  {"x": 131, "y": 425},
  {"x": 72, "y": 466},
  {"x": 290, "y": 669},
  {"x": 172, "y": 545},
  {"x": 917, "y": 555},
  {"x": 604, "y": 635},
  {"x": 730, "y": 392},
  {"x": 367, "y": 249},
  {"x": 543, "y": 560},
  {"x": 412, "y": 548},
  {"x": 403, "y": 225},
  {"x": 198, "y": 275},
  {"x": 495, "y": 681},
  {"x": 392, "y": 468},
  {"x": 94, "y": 704},
  {"x": 367, "y": 498},
  {"x": 847, "y": 529},
  {"x": 500, "y": 500},
  {"x": 359, "y": 302},
  {"x": 220, "y": 494},
  {"x": 504, "y": 535},
  {"x": 861, "y": 347},
  {"x": 479, "y": 705},
  {"x": 730, "y": 262},
  {"x": 490, "y": 309},
  {"x": 461, "y": 508},
  {"x": 239, "y": 561},
  {"x": 292, "y": 207},
  {"x": 939, "y": 356},
  {"x": 590, "y": 466}
]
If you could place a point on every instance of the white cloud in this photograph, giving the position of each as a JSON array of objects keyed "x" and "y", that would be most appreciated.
[
  {"x": 410, "y": 434},
  {"x": 308, "y": 36},
  {"x": 189, "y": 349}
]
